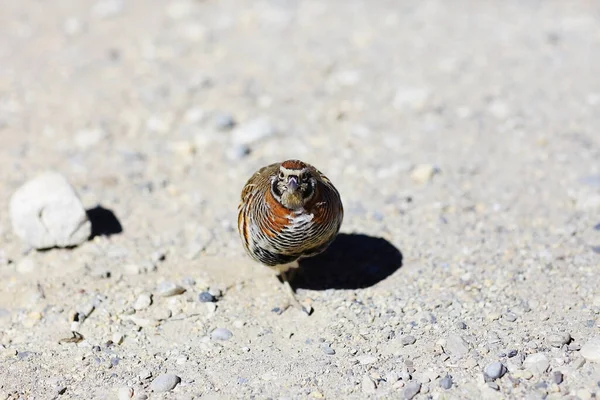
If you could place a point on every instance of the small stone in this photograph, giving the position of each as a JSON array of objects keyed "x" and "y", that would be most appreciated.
[
  {"x": 205, "y": 297},
  {"x": 366, "y": 359},
  {"x": 558, "y": 339},
  {"x": 215, "y": 292},
  {"x": 145, "y": 374},
  {"x": 223, "y": 121},
  {"x": 461, "y": 325},
  {"x": 446, "y": 382},
  {"x": 124, "y": 393},
  {"x": 456, "y": 346},
  {"x": 368, "y": 386},
  {"x": 164, "y": 383},
  {"x": 511, "y": 353},
  {"x": 510, "y": 317},
  {"x": 499, "y": 109},
  {"x": 167, "y": 289},
  {"x": 326, "y": 347},
  {"x": 26, "y": 266},
  {"x": 423, "y": 173},
  {"x": 46, "y": 212},
  {"x": 253, "y": 131},
  {"x": 117, "y": 338},
  {"x": 537, "y": 363},
  {"x": 495, "y": 370},
  {"x": 411, "y": 98},
  {"x": 237, "y": 152},
  {"x": 89, "y": 138},
  {"x": 221, "y": 334},
  {"x": 407, "y": 340},
  {"x": 143, "y": 301},
  {"x": 143, "y": 322},
  {"x": 411, "y": 389},
  {"x": 583, "y": 394},
  {"x": 557, "y": 377},
  {"x": 107, "y": 8},
  {"x": 591, "y": 350}
]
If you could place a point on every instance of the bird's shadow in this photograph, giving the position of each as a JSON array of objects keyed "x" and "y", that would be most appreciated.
[
  {"x": 104, "y": 222},
  {"x": 353, "y": 261}
]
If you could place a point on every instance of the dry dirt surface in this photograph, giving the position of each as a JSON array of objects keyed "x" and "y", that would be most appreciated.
[{"x": 462, "y": 135}]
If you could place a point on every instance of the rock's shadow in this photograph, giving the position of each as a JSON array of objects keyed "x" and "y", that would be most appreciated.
[
  {"x": 104, "y": 222},
  {"x": 353, "y": 261}
]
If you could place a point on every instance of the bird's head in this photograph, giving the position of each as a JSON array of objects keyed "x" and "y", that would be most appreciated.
[{"x": 293, "y": 185}]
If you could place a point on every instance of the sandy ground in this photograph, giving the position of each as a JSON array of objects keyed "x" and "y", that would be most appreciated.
[{"x": 463, "y": 137}]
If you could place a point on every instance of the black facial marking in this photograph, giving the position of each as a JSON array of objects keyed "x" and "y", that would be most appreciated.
[
  {"x": 310, "y": 188},
  {"x": 275, "y": 187}
]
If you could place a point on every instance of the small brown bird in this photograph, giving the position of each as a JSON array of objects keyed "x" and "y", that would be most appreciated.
[{"x": 288, "y": 211}]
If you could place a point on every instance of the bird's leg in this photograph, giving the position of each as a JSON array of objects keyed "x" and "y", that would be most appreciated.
[{"x": 286, "y": 273}]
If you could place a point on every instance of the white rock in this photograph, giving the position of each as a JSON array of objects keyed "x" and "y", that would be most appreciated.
[
  {"x": 46, "y": 212},
  {"x": 143, "y": 301},
  {"x": 537, "y": 363},
  {"x": 26, "y": 266},
  {"x": 591, "y": 350},
  {"x": 368, "y": 386},
  {"x": 107, "y": 8},
  {"x": 411, "y": 98},
  {"x": 88, "y": 138},
  {"x": 423, "y": 173},
  {"x": 456, "y": 346},
  {"x": 253, "y": 131},
  {"x": 164, "y": 383},
  {"x": 124, "y": 393}
]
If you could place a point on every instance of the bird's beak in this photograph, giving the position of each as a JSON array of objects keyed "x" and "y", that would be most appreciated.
[{"x": 292, "y": 183}]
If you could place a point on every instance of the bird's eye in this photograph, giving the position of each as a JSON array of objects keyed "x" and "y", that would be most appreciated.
[{"x": 281, "y": 175}]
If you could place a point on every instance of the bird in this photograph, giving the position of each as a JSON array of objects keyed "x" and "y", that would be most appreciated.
[{"x": 288, "y": 211}]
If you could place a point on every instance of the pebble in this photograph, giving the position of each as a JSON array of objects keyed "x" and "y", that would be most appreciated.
[
  {"x": 411, "y": 389},
  {"x": 145, "y": 374},
  {"x": 366, "y": 359},
  {"x": 495, "y": 370},
  {"x": 510, "y": 317},
  {"x": 167, "y": 289},
  {"x": 223, "y": 121},
  {"x": 221, "y": 334},
  {"x": 26, "y": 266},
  {"x": 557, "y": 377},
  {"x": 164, "y": 382},
  {"x": 107, "y": 8},
  {"x": 591, "y": 350},
  {"x": 124, "y": 393},
  {"x": 143, "y": 301},
  {"x": 411, "y": 98},
  {"x": 537, "y": 363},
  {"x": 326, "y": 347},
  {"x": 237, "y": 152},
  {"x": 456, "y": 346},
  {"x": 511, "y": 353},
  {"x": 558, "y": 339},
  {"x": 423, "y": 173},
  {"x": 89, "y": 138},
  {"x": 117, "y": 338},
  {"x": 446, "y": 382},
  {"x": 205, "y": 297},
  {"x": 584, "y": 394},
  {"x": 461, "y": 325},
  {"x": 46, "y": 212},
  {"x": 407, "y": 340},
  {"x": 253, "y": 131},
  {"x": 368, "y": 386}
]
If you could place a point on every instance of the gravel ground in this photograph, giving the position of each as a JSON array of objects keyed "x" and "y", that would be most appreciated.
[{"x": 463, "y": 137}]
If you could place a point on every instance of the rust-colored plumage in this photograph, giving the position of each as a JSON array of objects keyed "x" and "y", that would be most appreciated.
[{"x": 288, "y": 211}]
